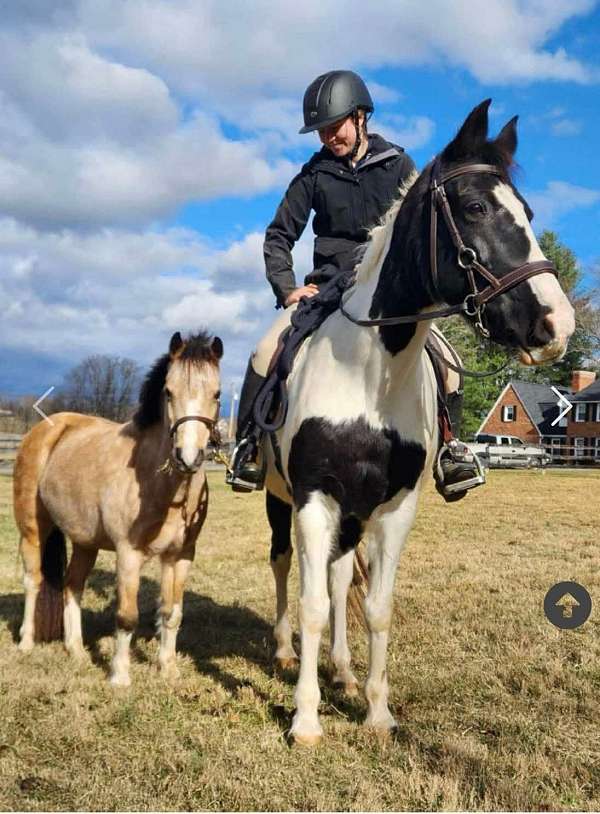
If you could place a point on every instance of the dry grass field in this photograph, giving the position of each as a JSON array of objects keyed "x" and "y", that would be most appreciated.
[{"x": 497, "y": 708}]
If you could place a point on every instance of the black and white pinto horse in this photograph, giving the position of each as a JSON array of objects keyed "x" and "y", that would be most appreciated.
[{"x": 361, "y": 432}]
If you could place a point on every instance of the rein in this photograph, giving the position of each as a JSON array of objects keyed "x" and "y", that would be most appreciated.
[{"x": 475, "y": 301}]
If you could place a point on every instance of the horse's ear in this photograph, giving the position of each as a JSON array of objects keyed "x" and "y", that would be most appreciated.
[
  {"x": 471, "y": 135},
  {"x": 176, "y": 344},
  {"x": 506, "y": 140},
  {"x": 216, "y": 347}
]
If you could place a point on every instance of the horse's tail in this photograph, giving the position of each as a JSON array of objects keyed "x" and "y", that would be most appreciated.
[
  {"x": 43, "y": 547},
  {"x": 49, "y": 606},
  {"x": 359, "y": 589}
]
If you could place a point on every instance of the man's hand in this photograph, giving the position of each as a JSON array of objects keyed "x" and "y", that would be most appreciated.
[{"x": 304, "y": 291}]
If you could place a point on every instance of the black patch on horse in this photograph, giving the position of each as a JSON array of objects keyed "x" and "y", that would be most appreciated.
[
  {"x": 279, "y": 515},
  {"x": 360, "y": 467}
]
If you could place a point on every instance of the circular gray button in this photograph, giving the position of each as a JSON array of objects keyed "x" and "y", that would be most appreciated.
[{"x": 567, "y": 605}]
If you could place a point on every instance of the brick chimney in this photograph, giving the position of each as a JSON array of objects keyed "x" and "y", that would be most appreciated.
[{"x": 580, "y": 379}]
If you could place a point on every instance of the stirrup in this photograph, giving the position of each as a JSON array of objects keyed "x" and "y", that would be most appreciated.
[
  {"x": 454, "y": 489},
  {"x": 232, "y": 476}
]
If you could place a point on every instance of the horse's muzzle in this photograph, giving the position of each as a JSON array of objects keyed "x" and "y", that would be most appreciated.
[{"x": 548, "y": 354}]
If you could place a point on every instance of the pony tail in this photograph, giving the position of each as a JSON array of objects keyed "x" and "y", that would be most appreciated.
[{"x": 49, "y": 606}]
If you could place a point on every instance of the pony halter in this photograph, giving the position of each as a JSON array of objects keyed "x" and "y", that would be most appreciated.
[
  {"x": 474, "y": 303},
  {"x": 211, "y": 423}
]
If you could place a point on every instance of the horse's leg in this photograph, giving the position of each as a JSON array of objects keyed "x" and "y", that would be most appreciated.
[
  {"x": 129, "y": 565},
  {"x": 172, "y": 584},
  {"x": 280, "y": 520},
  {"x": 32, "y": 581},
  {"x": 340, "y": 577},
  {"x": 82, "y": 562},
  {"x": 386, "y": 536},
  {"x": 317, "y": 525}
]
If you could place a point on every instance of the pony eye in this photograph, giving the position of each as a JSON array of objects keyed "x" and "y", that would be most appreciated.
[
  {"x": 218, "y": 395},
  {"x": 476, "y": 208},
  {"x": 168, "y": 394}
]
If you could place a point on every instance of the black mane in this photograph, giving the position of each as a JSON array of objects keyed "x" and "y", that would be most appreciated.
[{"x": 197, "y": 349}]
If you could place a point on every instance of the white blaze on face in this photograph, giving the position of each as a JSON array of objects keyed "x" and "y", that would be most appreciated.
[{"x": 545, "y": 287}]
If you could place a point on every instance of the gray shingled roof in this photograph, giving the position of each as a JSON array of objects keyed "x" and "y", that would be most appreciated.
[
  {"x": 589, "y": 393},
  {"x": 540, "y": 402}
]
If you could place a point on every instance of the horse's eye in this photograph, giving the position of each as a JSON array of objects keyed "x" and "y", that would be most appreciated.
[
  {"x": 218, "y": 395},
  {"x": 476, "y": 208},
  {"x": 168, "y": 394}
]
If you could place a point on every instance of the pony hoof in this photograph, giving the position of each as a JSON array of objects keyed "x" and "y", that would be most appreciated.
[
  {"x": 309, "y": 739},
  {"x": 287, "y": 663},
  {"x": 25, "y": 645}
]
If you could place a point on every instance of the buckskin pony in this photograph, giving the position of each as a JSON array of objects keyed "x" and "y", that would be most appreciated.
[{"x": 138, "y": 489}]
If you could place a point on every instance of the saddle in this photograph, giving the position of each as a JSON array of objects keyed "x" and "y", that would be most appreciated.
[{"x": 270, "y": 407}]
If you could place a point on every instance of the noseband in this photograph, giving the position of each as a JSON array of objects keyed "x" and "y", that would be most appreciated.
[
  {"x": 474, "y": 303},
  {"x": 211, "y": 423}
]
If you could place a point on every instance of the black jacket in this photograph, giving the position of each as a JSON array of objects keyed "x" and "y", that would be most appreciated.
[{"x": 347, "y": 202}]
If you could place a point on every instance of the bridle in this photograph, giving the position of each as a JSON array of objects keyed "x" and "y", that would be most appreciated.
[{"x": 474, "y": 303}]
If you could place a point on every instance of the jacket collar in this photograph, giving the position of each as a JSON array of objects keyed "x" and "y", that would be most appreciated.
[{"x": 378, "y": 150}]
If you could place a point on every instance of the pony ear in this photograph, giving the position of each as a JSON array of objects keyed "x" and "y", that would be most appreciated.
[
  {"x": 506, "y": 140},
  {"x": 176, "y": 344},
  {"x": 471, "y": 135},
  {"x": 216, "y": 347}
]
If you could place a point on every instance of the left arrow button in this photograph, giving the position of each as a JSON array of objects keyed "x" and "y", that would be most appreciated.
[{"x": 41, "y": 412}]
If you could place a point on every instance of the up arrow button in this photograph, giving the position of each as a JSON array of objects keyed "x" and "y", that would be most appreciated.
[{"x": 562, "y": 402}]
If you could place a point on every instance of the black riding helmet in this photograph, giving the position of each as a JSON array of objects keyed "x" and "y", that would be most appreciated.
[{"x": 331, "y": 97}]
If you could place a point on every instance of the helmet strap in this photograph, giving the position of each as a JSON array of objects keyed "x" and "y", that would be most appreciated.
[{"x": 357, "y": 143}]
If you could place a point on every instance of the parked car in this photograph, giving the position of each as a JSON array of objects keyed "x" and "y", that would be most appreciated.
[{"x": 496, "y": 451}]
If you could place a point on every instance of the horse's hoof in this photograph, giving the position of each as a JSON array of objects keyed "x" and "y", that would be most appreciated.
[
  {"x": 78, "y": 652},
  {"x": 309, "y": 739},
  {"x": 169, "y": 671},
  {"x": 120, "y": 681},
  {"x": 348, "y": 688},
  {"x": 287, "y": 663},
  {"x": 25, "y": 645}
]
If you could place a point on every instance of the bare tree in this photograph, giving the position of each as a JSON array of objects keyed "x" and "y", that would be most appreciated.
[{"x": 100, "y": 385}]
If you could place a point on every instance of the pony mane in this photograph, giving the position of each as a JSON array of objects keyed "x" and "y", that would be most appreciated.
[{"x": 196, "y": 350}]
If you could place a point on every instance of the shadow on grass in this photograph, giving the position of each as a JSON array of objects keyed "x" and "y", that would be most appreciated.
[{"x": 209, "y": 632}]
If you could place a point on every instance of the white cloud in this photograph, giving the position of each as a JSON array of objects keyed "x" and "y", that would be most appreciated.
[
  {"x": 558, "y": 199},
  {"x": 410, "y": 132},
  {"x": 206, "y": 49},
  {"x": 121, "y": 292}
]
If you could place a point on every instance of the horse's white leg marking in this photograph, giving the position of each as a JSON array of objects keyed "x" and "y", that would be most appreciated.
[
  {"x": 386, "y": 536},
  {"x": 173, "y": 579},
  {"x": 316, "y": 529},
  {"x": 285, "y": 654},
  {"x": 340, "y": 577},
  {"x": 82, "y": 562},
  {"x": 129, "y": 563},
  {"x": 26, "y": 633}
]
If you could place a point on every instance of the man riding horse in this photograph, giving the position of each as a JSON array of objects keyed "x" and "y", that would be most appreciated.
[{"x": 350, "y": 184}]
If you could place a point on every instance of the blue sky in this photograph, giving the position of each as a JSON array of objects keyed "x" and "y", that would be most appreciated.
[{"x": 144, "y": 147}]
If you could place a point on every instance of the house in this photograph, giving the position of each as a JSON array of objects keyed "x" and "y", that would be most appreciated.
[
  {"x": 583, "y": 429},
  {"x": 527, "y": 410}
]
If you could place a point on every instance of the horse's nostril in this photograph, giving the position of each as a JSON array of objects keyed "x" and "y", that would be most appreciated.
[
  {"x": 178, "y": 454},
  {"x": 199, "y": 458}
]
